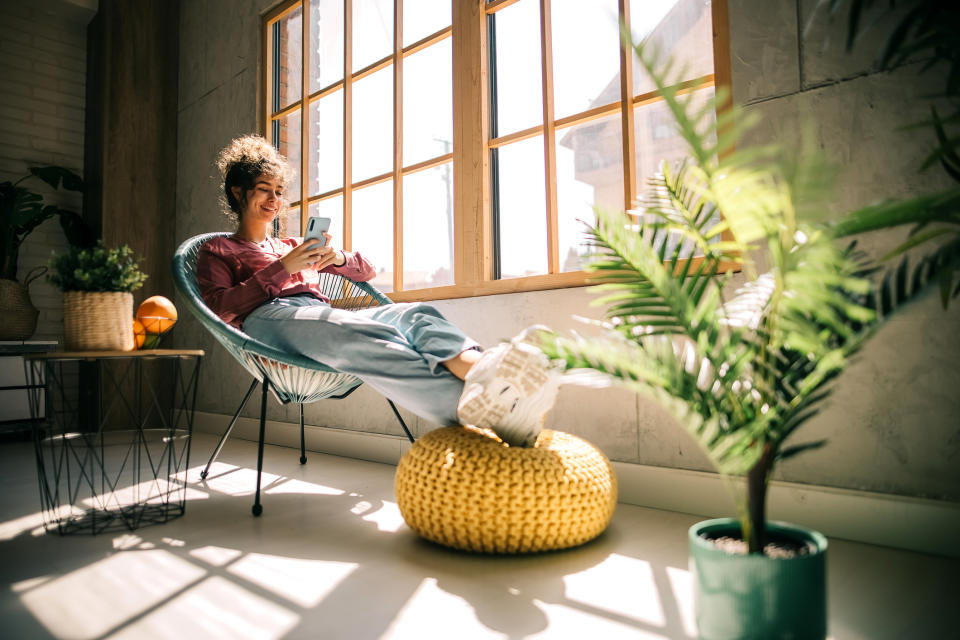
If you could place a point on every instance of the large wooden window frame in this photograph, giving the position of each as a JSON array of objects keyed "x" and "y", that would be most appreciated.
[{"x": 474, "y": 270}]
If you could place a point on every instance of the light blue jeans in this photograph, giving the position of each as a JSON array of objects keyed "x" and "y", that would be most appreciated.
[{"x": 396, "y": 348}]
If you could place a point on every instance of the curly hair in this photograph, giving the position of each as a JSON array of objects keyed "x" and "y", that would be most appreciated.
[{"x": 241, "y": 162}]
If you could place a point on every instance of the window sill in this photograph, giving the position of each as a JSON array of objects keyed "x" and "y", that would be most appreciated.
[
  {"x": 514, "y": 285},
  {"x": 494, "y": 287}
]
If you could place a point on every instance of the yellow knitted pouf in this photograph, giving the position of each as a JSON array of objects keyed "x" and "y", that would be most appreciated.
[{"x": 464, "y": 488}]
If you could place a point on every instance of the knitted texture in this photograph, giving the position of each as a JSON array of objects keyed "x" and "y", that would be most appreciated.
[{"x": 464, "y": 488}]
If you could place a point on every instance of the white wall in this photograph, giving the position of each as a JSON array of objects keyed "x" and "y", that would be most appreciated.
[
  {"x": 43, "y": 51},
  {"x": 892, "y": 423}
]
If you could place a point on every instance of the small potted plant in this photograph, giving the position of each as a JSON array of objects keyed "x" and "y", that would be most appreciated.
[
  {"x": 21, "y": 211},
  {"x": 97, "y": 299},
  {"x": 743, "y": 372}
]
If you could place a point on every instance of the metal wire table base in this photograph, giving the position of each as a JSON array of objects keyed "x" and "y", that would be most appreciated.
[{"x": 129, "y": 469}]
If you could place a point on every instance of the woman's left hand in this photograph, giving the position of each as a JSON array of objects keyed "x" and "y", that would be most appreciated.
[{"x": 329, "y": 256}]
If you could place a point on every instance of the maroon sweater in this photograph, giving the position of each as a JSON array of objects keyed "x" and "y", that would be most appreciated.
[{"x": 236, "y": 276}]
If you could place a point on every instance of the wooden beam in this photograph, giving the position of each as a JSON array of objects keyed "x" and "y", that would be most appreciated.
[
  {"x": 326, "y": 91},
  {"x": 496, "y": 5},
  {"x": 304, "y": 118},
  {"x": 516, "y": 136},
  {"x": 626, "y": 115},
  {"x": 347, "y": 125},
  {"x": 428, "y": 164},
  {"x": 369, "y": 182},
  {"x": 423, "y": 43},
  {"x": 473, "y": 239},
  {"x": 549, "y": 138},
  {"x": 397, "y": 145}
]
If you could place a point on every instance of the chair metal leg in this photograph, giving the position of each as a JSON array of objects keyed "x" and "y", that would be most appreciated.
[
  {"x": 226, "y": 434},
  {"x": 303, "y": 442},
  {"x": 257, "y": 509},
  {"x": 402, "y": 423}
]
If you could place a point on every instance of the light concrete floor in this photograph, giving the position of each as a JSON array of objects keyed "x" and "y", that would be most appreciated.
[{"x": 331, "y": 558}]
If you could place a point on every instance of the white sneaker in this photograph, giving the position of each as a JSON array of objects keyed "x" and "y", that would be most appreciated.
[{"x": 509, "y": 390}]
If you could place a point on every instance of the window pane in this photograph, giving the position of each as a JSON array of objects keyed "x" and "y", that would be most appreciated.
[
  {"x": 428, "y": 228},
  {"x": 519, "y": 87},
  {"x": 422, "y": 18},
  {"x": 373, "y": 230},
  {"x": 290, "y": 60},
  {"x": 287, "y": 141},
  {"x": 657, "y": 137},
  {"x": 373, "y": 125},
  {"x": 326, "y": 43},
  {"x": 331, "y": 208},
  {"x": 428, "y": 103},
  {"x": 682, "y": 27},
  {"x": 326, "y": 144},
  {"x": 586, "y": 55},
  {"x": 589, "y": 173},
  {"x": 372, "y": 31},
  {"x": 523, "y": 209}
]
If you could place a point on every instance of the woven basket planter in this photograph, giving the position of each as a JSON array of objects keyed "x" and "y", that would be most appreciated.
[
  {"x": 98, "y": 321},
  {"x": 18, "y": 316},
  {"x": 465, "y": 489}
]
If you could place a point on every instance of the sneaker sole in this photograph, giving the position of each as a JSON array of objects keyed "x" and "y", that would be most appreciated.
[{"x": 484, "y": 406}]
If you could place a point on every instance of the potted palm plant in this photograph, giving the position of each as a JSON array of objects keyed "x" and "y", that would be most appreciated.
[
  {"x": 742, "y": 372},
  {"x": 21, "y": 211}
]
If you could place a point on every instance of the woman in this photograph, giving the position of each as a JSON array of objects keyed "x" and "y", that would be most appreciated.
[{"x": 410, "y": 353}]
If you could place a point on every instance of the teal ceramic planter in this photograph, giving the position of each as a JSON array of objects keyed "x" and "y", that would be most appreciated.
[{"x": 752, "y": 596}]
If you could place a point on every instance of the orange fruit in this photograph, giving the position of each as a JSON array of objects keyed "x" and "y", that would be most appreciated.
[
  {"x": 139, "y": 334},
  {"x": 157, "y": 314}
]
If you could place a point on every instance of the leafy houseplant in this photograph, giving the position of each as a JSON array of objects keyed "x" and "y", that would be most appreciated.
[
  {"x": 21, "y": 211},
  {"x": 97, "y": 299},
  {"x": 925, "y": 30},
  {"x": 741, "y": 373}
]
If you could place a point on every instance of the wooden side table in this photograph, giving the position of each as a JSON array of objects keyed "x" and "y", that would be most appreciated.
[{"x": 128, "y": 470}]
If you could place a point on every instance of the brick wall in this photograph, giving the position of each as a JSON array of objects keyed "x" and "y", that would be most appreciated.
[{"x": 43, "y": 64}]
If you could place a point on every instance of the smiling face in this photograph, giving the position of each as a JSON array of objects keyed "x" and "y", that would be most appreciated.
[{"x": 263, "y": 202}]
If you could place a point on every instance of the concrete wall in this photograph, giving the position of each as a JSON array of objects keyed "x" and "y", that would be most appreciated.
[
  {"x": 43, "y": 56},
  {"x": 892, "y": 421}
]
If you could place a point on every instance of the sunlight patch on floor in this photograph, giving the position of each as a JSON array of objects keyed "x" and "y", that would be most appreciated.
[
  {"x": 568, "y": 622},
  {"x": 215, "y": 609},
  {"x": 26, "y": 585},
  {"x": 681, "y": 583},
  {"x": 293, "y": 485},
  {"x": 216, "y": 556},
  {"x": 147, "y": 492},
  {"x": 302, "y": 582},
  {"x": 239, "y": 481},
  {"x": 387, "y": 517},
  {"x": 33, "y": 522},
  {"x": 620, "y": 585},
  {"x": 91, "y": 601},
  {"x": 432, "y": 612}
]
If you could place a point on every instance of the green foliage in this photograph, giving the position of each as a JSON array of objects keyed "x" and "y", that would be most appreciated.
[
  {"x": 96, "y": 269},
  {"x": 740, "y": 374},
  {"x": 927, "y": 31},
  {"x": 22, "y": 210}
]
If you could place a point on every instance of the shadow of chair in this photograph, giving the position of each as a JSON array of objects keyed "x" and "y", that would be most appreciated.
[{"x": 290, "y": 376}]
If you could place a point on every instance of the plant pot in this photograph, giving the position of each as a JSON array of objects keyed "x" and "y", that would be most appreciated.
[
  {"x": 98, "y": 320},
  {"x": 18, "y": 316},
  {"x": 754, "y": 596}
]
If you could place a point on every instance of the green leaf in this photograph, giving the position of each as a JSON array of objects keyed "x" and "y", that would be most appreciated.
[
  {"x": 55, "y": 176},
  {"x": 790, "y": 452}
]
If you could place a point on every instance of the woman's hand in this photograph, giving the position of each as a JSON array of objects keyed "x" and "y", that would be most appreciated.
[
  {"x": 311, "y": 254},
  {"x": 302, "y": 256}
]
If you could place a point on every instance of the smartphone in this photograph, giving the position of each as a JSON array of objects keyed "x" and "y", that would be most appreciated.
[{"x": 316, "y": 227}]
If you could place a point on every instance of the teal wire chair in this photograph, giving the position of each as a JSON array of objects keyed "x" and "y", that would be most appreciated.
[{"x": 290, "y": 376}]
